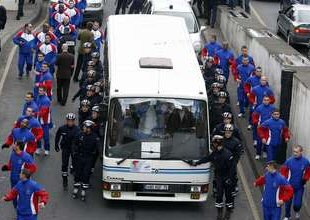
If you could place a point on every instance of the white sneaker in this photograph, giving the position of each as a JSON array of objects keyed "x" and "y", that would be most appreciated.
[
  {"x": 264, "y": 155},
  {"x": 46, "y": 153},
  {"x": 286, "y": 218},
  {"x": 249, "y": 127},
  {"x": 257, "y": 157},
  {"x": 38, "y": 151},
  {"x": 240, "y": 115},
  {"x": 297, "y": 215}
]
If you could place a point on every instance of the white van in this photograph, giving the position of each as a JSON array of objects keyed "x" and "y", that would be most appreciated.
[
  {"x": 157, "y": 112},
  {"x": 93, "y": 11},
  {"x": 178, "y": 8}
]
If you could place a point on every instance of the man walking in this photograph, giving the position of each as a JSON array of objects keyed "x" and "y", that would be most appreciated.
[
  {"x": 20, "y": 10},
  {"x": 30, "y": 196},
  {"x": 65, "y": 64}
]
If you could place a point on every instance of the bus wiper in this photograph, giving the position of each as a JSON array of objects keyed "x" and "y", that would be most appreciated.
[{"x": 132, "y": 153}]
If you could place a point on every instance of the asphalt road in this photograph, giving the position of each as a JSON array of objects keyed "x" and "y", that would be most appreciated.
[
  {"x": 267, "y": 13},
  {"x": 62, "y": 206}
]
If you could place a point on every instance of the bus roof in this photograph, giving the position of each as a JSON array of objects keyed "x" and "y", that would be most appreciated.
[{"x": 137, "y": 39}]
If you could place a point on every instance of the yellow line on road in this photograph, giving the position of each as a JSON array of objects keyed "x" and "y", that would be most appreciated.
[{"x": 248, "y": 193}]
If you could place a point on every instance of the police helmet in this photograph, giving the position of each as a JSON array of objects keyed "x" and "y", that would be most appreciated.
[
  {"x": 96, "y": 108},
  {"x": 229, "y": 127},
  {"x": 87, "y": 45},
  {"x": 218, "y": 139},
  {"x": 222, "y": 94},
  {"x": 88, "y": 87},
  {"x": 210, "y": 59},
  {"x": 215, "y": 85},
  {"x": 90, "y": 63},
  {"x": 91, "y": 73},
  {"x": 95, "y": 55},
  {"x": 88, "y": 124},
  {"x": 85, "y": 102},
  {"x": 219, "y": 71},
  {"x": 227, "y": 115},
  {"x": 70, "y": 116},
  {"x": 220, "y": 79}
]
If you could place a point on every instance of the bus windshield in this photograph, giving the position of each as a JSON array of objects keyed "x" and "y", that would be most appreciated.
[{"x": 157, "y": 128}]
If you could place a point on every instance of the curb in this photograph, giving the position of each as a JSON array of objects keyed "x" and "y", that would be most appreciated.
[{"x": 31, "y": 20}]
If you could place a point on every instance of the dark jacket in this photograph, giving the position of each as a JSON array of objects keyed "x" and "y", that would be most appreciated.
[
  {"x": 2, "y": 17},
  {"x": 65, "y": 64},
  {"x": 85, "y": 36}
]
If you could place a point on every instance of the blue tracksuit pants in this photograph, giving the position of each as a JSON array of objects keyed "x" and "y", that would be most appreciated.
[
  {"x": 46, "y": 137},
  {"x": 24, "y": 58},
  {"x": 242, "y": 99},
  {"x": 297, "y": 199},
  {"x": 27, "y": 217},
  {"x": 272, "y": 213}
]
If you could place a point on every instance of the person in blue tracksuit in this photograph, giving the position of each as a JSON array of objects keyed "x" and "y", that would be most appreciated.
[
  {"x": 45, "y": 119},
  {"x": 29, "y": 102},
  {"x": 212, "y": 47},
  {"x": 74, "y": 13},
  {"x": 81, "y": 5},
  {"x": 50, "y": 51},
  {"x": 296, "y": 169},
  {"x": 277, "y": 191},
  {"x": 98, "y": 36},
  {"x": 38, "y": 69},
  {"x": 30, "y": 196},
  {"x": 27, "y": 43},
  {"x": 258, "y": 92},
  {"x": 60, "y": 29},
  {"x": 57, "y": 17},
  {"x": 250, "y": 83},
  {"x": 244, "y": 71},
  {"x": 245, "y": 53},
  {"x": 46, "y": 80},
  {"x": 261, "y": 114},
  {"x": 19, "y": 159},
  {"x": 272, "y": 132},
  {"x": 225, "y": 59}
]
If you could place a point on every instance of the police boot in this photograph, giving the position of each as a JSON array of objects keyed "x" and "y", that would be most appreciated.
[
  {"x": 227, "y": 214},
  {"x": 219, "y": 214},
  {"x": 75, "y": 190},
  {"x": 65, "y": 180}
]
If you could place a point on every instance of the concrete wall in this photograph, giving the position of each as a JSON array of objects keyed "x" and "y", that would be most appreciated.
[
  {"x": 9, "y": 4},
  {"x": 300, "y": 116}
]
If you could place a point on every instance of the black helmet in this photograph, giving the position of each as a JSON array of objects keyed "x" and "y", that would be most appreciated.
[
  {"x": 91, "y": 73},
  {"x": 220, "y": 79},
  {"x": 218, "y": 139},
  {"x": 210, "y": 59},
  {"x": 90, "y": 63},
  {"x": 215, "y": 85},
  {"x": 227, "y": 115},
  {"x": 88, "y": 124},
  {"x": 229, "y": 127},
  {"x": 95, "y": 55},
  {"x": 70, "y": 116},
  {"x": 96, "y": 108},
  {"x": 87, "y": 45},
  {"x": 85, "y": 102},
  {"x": 222, "y": 94}
]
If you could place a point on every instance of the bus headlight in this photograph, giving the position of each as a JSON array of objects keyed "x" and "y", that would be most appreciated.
[
  {"x": 195, "y": 189},
  {"x": 115, "y": 187}
]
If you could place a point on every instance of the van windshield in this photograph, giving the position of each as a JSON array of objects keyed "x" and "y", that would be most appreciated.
[
  {"x": 157, "y": 128},
  {"x": 189, "y": 18}
]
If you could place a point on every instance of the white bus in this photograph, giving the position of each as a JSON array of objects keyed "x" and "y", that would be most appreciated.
[{"x": 157, "y": 112}]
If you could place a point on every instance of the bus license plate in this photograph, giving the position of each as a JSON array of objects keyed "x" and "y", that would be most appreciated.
[{"x": 157, "y": 187}]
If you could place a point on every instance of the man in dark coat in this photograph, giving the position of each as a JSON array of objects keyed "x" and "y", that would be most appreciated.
[{"x": 65, "y": 64}]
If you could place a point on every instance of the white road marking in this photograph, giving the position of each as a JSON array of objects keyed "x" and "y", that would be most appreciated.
[
  {"x": 248, "y": 193},
  {"x": 10, "y": 59},
  {"x": 259, "y": 18}
]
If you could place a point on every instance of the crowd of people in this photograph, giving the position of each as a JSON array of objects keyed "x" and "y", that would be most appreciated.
[
  {"x": 49, "y": 54},
  {"x": 269, "y": 133}
]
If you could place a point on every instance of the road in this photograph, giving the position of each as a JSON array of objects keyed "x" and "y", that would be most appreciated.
[
  {"x": 62, "y": 206},
  {"x": 267, "y": 13}
]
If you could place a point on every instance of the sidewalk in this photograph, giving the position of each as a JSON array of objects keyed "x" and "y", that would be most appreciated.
[{"x": 31, "y": 13}]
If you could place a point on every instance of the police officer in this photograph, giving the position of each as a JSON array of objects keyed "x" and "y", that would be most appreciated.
[
  {"x": 223, "y": 161},
  {"x": 68, "y": 39},
  {"x": 84, "y": 150},
  {"x": 235, "y": 147},
  {"x": 84, "y": 111},
  {"x": 217, "y": 110},
  {"x": 98, "y": 67},
  {"x": 227, "y": 119},
  {"x": 65, "y": 136}
]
